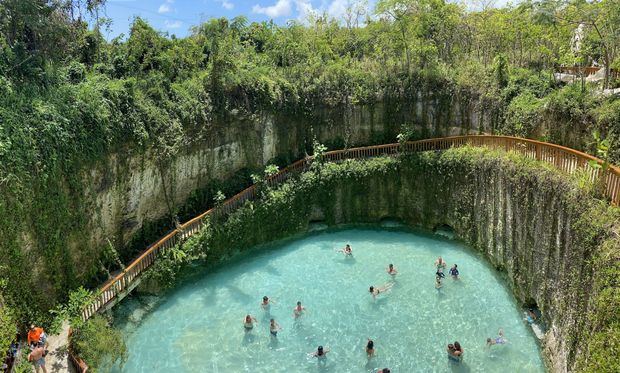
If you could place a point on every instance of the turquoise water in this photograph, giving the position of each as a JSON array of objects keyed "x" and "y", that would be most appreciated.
[{"x": 198, "y": 325}]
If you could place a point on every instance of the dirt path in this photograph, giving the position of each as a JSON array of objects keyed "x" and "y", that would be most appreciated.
[{"x": 57, "y": 359}]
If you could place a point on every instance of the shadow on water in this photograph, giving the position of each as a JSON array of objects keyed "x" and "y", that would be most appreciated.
[
  {"x": 350, "y": 260},
  {"x": 248, "y": 338},
  {"x": 379, "y": 302},
  {"x": 371, "y": 364},
  {"x": 458, "y": 367},
  {"x": 238, "y": 294},
  {"x": 273, "y": 342},
  {"x": 271, "y": 270}
]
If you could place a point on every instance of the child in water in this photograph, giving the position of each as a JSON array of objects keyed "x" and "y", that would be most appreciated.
[
  {"x": 274, "y": 327},
  {"x": 500, "y": 340},
  {"x": 438, "y": 283}
]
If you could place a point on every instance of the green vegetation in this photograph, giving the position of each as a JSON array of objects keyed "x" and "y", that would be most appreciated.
[
  {"x": 98, "y": 344},
  {"x": 366, "y": 191},
  {"x": 69, "y": 99}
]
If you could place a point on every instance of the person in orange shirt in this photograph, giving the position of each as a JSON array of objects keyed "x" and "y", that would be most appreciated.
[{"x": 36, "y": 335}]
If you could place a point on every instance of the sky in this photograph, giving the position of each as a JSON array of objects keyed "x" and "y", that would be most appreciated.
[{"x": 178, "y": 16}]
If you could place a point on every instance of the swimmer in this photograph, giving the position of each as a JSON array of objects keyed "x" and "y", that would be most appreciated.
[
  {"x": 458, "y": 351},
  {"x": 500, "y": 340},
  {"x": 298, "y": 310},
  {"x": 391, "y": 270},
  {"x": 347, "y": 251},
  {"x": 450, "y": 350},
  {"x": 440, "y": 263},
  {"x": 384, "y": 370},
  {"x": 274, "y": 327},
  {"x": 380, "y": 289},
  {"x": 454, "y": 272},
  {"x": 438, "y": 283},
  {"x": 370, "y": 348},
  {"x": 440, "y": 273},
  {"x": 266, "y": 303},
  {"x": 248, "y": 322},
  {"x": 320, "y": 352}
]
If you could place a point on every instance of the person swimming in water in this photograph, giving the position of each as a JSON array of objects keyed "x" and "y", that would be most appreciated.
[
  {"x": 454, "y": 272},
  {"x": 347, "y": 251},
  {"x": 320, "y": 353},
  {"x": 248, "y": 322},
  {"x": 438, "y": 283},
  {"x": 391, "y": 270},
  {"x": 266, "y": 303},
  {"x": 458, "y": 351},
  {"x": 500, "y": 340},
  {"x": 274, "y": 327},
  {"x": 380, "y": 289},
  {"x": 298, "y": 310},
  {"x": 370, "y": 348},
  {"x": 384, "y": 370}
]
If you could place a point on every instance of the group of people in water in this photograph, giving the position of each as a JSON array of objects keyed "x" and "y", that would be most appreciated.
[
  {"x": 440, "y": 264},
  {"x": 454, "y": 350}
]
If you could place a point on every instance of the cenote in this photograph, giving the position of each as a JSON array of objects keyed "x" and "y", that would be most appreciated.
[{"x": 198, "y": 325}]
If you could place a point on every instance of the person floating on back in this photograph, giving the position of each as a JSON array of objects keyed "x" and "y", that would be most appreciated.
[
  {"x": 454, "y": 272},
  {"x": 380, "y": 289},
  {"x": 391, "y": 270},
  {"x": 500, "y": 340},
  {"x": 298, "y": 310}
]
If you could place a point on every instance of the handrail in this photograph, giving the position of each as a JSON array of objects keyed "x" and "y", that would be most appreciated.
[
  {"x": 587, "y": 71},
  {"x": 565, "y": 159}
]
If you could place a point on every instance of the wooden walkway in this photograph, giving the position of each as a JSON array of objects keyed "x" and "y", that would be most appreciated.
[{"x": 565, "y": 159}]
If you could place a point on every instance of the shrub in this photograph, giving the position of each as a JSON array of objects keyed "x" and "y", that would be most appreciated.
[{"x": 98, "y": 344}]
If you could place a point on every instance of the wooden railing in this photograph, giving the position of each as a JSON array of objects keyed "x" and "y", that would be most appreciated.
[
  {"x": 565, "y": 159},
  {"x": 587, "y": 71}
]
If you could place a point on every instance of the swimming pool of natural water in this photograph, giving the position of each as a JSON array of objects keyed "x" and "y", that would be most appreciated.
[{"x": 198, "y": 325}]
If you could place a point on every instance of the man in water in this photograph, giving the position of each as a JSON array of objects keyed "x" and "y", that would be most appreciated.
[
  {"x": 266, "y": 303},
  {"x": 298, "y": 310},
  {"x": 454, "y": 272},
  {"x": 500, "y": 340},
  {"x": 274, "y": 327},
  {"x": 347, "y": 251},
  {"x": 391, "y": 270},
  {"x": 320, "y": 353}
]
